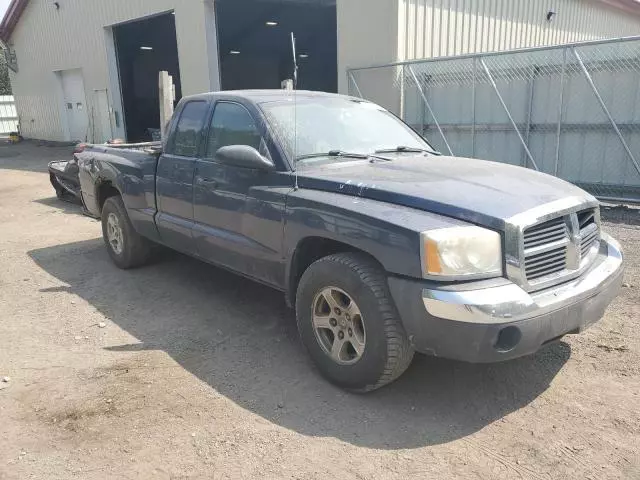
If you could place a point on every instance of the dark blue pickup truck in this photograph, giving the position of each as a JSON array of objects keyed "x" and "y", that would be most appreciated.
[{"x": 383, "y": 246}]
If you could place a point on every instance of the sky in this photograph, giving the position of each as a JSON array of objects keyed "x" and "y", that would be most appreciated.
[{"x": 4, "y": 4}]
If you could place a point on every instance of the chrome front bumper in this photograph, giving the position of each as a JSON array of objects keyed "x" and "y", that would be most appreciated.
[
  {"x": 508, "y": 303},
  {"x": 500, "y": 322}
]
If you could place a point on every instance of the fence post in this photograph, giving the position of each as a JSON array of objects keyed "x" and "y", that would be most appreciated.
[
  {"x": 424, "y": 98},
  {"x": 560, "y": 109},
  {"x": 402, "y": 94},
  {"x": 532, "y": 83},
  {"x": 604, "y": 108},
  {"x": 473, "y": 107},
  {"x": 504, "y": 105},
  {"x": 355, "y": 84}
]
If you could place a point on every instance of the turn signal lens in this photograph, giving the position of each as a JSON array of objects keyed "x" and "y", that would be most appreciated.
[{"x": 432, "y": 257}]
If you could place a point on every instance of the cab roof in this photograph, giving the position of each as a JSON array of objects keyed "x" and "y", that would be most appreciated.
[{"x": 265, "y": 96}]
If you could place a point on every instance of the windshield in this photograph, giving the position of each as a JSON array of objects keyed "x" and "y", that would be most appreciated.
[{"x": 325, "y": 124}]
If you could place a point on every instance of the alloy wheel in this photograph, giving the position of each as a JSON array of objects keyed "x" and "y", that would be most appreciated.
[{"x": 338, "y": 325}]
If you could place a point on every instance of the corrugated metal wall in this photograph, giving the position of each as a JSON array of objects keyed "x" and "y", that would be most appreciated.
[
  {"x": 437, "y": 28},
  {"x": 572, "y": 111},
  {"x": 365, "y": 40},
  {"x": 47, "y": 39}
]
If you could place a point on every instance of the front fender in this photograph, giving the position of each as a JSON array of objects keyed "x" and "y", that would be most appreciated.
[{"x": 389, "y": 233}]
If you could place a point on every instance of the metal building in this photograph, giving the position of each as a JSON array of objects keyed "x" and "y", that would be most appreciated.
[
  {"x": 401, "y": 30},
  {"x": 437, "y": 28},
  {"x": 87, "y": 69}
]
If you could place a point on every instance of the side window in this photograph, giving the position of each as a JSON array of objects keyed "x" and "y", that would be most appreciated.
[
  {"x": 232, "y": 124},
  {"x": 189, "y": 129}
]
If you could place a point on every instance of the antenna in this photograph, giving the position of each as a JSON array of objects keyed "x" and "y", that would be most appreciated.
[
  {"x": 295, "y": 110},
  {"x": 295, "y": 61}
]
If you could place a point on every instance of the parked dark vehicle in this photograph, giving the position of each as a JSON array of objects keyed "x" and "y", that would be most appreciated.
[
  {"x": 382, "y": 246},
  {"x": 63, "y": 175}
]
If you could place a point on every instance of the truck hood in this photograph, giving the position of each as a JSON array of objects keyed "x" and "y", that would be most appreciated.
[{"x": 478, "y": 191}]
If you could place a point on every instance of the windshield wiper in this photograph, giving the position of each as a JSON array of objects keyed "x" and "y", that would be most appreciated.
[
  {"x": 335, "y": 153},
  {"x": 402, "y": 148},
  {"x": 343, "y": 154}
]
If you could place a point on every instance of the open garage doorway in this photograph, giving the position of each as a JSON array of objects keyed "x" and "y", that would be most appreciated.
[
  {"x": 255, "y": 43},
  {"x": 144, "y": 48}
]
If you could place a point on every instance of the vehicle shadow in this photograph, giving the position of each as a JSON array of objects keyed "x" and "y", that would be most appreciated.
[
  {"x": 240, "y": 338},
  {"x": 72, "y": 206}
]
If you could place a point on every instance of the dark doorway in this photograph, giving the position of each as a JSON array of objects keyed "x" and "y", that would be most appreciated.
[
  {"x": 255, "y": 43},
  {"x": 144, "y": 48}
]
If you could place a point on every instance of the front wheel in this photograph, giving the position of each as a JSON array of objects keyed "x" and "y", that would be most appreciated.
[
  {"x": 349, "y": 324},
  {"x": 126, "y": 247}
]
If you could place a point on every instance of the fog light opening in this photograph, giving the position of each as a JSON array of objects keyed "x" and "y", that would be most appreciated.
[{"x": 508, "y": 339}]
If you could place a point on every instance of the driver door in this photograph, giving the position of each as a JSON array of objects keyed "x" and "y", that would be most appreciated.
[
  {"x": 236, "y": 223},
  {"x": 174, "y": 178}
]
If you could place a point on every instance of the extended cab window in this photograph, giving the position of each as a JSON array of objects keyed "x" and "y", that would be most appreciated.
[
  {"x": 189, "y": 129},
  {"x": 232, "y": 125}
]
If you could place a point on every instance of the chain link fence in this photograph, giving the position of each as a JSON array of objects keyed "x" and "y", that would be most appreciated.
[{"x": 572, "y": 111}]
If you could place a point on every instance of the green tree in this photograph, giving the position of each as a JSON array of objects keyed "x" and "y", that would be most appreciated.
[{"x": 5, "y": 84}]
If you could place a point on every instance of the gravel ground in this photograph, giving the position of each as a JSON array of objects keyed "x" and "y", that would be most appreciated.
[{"x": 181, "y": 370}]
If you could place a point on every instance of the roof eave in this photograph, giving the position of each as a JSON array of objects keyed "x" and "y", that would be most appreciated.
[
  {"x": 628, "y": 6},
  {"x": 10, "y": 20}
]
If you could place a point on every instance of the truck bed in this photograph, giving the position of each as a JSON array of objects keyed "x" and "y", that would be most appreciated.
[
  {"x": 129, "y": 168},
  {"x": 147, "y": 147}
]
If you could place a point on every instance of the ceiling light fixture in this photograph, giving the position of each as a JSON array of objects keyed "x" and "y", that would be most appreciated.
[
  {"x": 234, "y": 52},
  {"x": 271, "y": 23},
  {"x": 146, "y": 48},
  {"x": 304, "y": 55}
]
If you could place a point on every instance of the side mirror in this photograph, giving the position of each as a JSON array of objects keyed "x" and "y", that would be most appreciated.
[{"x": 243, "y": 156}]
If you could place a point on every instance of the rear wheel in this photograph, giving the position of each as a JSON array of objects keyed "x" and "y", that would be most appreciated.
[
  {"x": 349, "y": 324},
  {"x": 126, "y": 247}
]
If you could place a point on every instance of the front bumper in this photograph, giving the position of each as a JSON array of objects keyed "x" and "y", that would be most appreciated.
[{"x": 490, "y": 322}]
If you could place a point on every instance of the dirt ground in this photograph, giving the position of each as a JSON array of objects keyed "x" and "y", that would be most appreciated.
[{"x": 181, "y": 370}]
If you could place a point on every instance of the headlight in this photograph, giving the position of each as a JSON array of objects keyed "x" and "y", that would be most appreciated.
[{"x": 461, "y": 252}]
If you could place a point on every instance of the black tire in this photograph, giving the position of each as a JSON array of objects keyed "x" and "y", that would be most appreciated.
[
  {"x": 136, "y": 249},
  {"x": 387, "y": 352}
]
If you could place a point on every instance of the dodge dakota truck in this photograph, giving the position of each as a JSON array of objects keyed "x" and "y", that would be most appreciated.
[{"x": 382, "y": 246}]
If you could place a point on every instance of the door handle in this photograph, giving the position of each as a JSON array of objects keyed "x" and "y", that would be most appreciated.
[{"x": 206, "y": 182}]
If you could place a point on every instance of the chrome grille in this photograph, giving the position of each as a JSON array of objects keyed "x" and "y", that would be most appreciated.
[
  {"x": 545, "y": 248},
  {"x": 546, "y": 263},
  {"x": 589, "y": 232},
  {"x": 545, "y": 233},
  {"x": 560, "y": 247}
]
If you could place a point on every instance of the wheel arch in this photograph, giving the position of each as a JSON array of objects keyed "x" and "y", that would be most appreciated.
[
  {"x": 307, "y": 251},
  {"x": 104, "y": 190}
]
